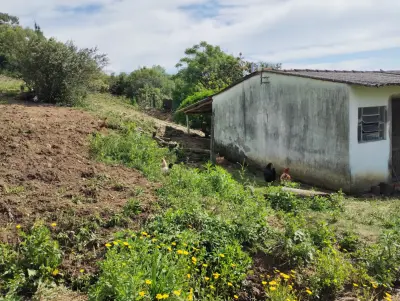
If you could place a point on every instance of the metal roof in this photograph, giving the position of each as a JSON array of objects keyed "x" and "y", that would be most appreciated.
[{"x": 362, "y": 78}]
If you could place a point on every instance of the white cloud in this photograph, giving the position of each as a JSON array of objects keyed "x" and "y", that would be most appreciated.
[{"x": 136, "y": 33}]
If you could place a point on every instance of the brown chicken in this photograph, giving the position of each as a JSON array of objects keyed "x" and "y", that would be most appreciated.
[{"x": 285, "y": 177}]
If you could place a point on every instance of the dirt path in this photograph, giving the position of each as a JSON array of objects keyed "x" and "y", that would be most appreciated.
[{"x": 45, "y": 167}]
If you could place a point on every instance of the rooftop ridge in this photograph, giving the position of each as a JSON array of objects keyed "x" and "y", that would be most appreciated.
[{"x": 391, "y": 72}]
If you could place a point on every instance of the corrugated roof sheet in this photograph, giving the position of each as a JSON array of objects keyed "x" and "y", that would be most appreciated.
[{"x": 363, "y": 78}]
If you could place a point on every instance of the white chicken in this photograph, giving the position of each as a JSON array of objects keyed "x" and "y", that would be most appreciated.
[{"x": 165, "y": 167}]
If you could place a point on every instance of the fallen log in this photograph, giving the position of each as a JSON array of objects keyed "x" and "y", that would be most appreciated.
[{"x": 304, "y": 192}]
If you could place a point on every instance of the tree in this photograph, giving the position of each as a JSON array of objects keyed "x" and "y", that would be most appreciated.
[
  {"x": 205, "y": 66},
  {"x": 58, "y": 72},
  {"x": 8, "y": 19}
]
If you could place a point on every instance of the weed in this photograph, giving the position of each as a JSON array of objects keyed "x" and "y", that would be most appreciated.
[{"x": 132, "y": 208}]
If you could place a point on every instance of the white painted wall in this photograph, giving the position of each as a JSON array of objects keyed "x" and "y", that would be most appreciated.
[{"x": 369, "y": 161}]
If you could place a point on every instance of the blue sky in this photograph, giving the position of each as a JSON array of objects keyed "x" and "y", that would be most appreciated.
[{"x": 335, "y": 34}]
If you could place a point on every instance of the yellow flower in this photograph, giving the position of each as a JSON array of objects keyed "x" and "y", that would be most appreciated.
[
  {"x": 115, "y": 243},
  {"x": 194, "y": 260},
  {"x": 108, "y": 245},
  {"x": 284, "y": 276},
  {"x": 264, "y": 282},
  {"x": 169, "y": 249},
  {"x": 185, "y": 253},
  {"x": 233, "y": 265},
  {"x": 205, "y": 265},
  {"x": 230, "y": 284},
  {"x": 355, "y": 284},
  {"x": 159, "y": 297},
  {"x": 165, "y": 296},
  {"x": 273, "y": 282},
  {"x": 180, "y": 252},
  {"x": 216, "y": 275},
  {"x": 206, "y": 278},
  {"x": 221, "y": 255},
  {"x": 174, "y": 244},
  {"x": 188, "y": 275},
  {"x": 154, "y": 240},
  {"x": 55, "y": 272},
  {"x": 18, "y": 226},
  {"x": 82, "y": 270},
  {"x": 144, "y": 233},
  {"x": 177, "y": 293},
  {"x": 236, "y": 296},
  {"x": 272, "y": 288},
  {"x": 388, "y": 295},
  {"x": 53, "y": 225},
  {"x": 142, "y": 293},
  {"x": 148, "y": 281},
  {"x": 308, "y": 292},
  {"x": 212, "y": 287},
  {"x": 126, "y": 244}
]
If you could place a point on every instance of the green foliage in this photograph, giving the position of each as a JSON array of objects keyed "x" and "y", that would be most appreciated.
[
  {"x": 8, "y": 19},
  {"x": 195, "y": 120},
  {"x": 33, "y": 261},
  {"x": 58, "y": 72},
  {"x": 132, "y": 148},
  {"x": 330, "y": 272}
]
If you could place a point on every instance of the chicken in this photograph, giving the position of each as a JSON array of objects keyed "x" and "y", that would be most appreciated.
[
  {"x": 285, "y": 177},
  {"x": 269, "y": 173},
  {"x": 165, "y": 167}
]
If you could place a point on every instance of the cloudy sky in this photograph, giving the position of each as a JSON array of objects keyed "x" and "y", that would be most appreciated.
[{"x": 321, "y": 34}]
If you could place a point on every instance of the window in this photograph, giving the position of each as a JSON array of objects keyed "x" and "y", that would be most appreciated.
[{"x": 371, "y": 124}]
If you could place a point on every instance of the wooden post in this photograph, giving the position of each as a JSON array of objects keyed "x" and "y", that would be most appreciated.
[
  {"x": 212, "y": 152},
  {"x": 187, "y": 123}
]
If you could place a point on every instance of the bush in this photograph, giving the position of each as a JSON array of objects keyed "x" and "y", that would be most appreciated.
[
  {"x": 57, "y": 72},
  {"x": 195, "y": 120}
]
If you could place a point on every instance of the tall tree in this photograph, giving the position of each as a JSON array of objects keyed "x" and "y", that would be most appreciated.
[{"x": 8, "y": 19}]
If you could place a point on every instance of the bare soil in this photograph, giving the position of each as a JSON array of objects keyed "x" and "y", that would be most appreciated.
[{"x": 45, "y": 167}]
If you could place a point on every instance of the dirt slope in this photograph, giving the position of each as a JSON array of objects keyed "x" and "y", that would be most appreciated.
[{"x": 45, "y": 167}]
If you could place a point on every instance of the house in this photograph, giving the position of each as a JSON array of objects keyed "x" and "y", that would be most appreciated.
[{"x": 334, "y": 129}]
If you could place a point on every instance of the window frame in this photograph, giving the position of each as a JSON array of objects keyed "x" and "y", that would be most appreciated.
[{"x": 381, "y": 123}]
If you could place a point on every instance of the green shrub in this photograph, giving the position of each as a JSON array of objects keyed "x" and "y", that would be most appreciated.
[{"x": 330, "y": 272}]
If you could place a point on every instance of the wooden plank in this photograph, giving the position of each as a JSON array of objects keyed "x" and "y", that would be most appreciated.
[{"x": 304, "y": 192}]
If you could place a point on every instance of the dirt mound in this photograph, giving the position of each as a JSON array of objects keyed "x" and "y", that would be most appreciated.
[{"x": 45, "y": 167}]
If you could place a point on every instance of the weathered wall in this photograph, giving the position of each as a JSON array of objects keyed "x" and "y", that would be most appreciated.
[
  {"x": 293, "y": 122},
  {"x": 370, "y": 161}
]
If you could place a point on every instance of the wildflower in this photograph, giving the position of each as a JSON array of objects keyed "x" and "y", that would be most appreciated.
[
  {"x": 142, "y": 293},
  {"x": 53, "y": 225},
  {"x": 177, "y": 293},
  {"x": 284, "y": 276},
  {"x": 216, "y": 275},
  {"x": 180, "y": 252},
  {"x": 272, "y": 283},
  {"x": 126, "y": 244},
  {"x": 159, "y": 297},
  {"x": 115, "y": 243},
  {"x": 272, "y": 288},
  {"x": 55, "y": 272},
  {"x": 82, "y": 271},
  {"x": 188, "y": 275},
  {"x": 165, "y": 296},
  {"x": 174, "y": 244},
  {"x": 355, "y": 284},
  {"x": 206, "y": 278},
  {"x": 221, "y": 255},
  {"x": 233, "y": 265},
  {"x": 108, "y": 245},
  {"x": 194, "y": 260},
  {"x": 144, "y": 233},
  {"x": 388, "y": 295},
  {"x": 148, "y": 281},
  {"x": 264, "y": 283},
  {"x": 169, "y": 249},
  {"x": 154, "y": 240},
  {"x": 18, "y": 226},
  {"x": 212, "y": 287},
  {"x": 185, "y": 253},
  {"x": 236, "y": 296},
  {"x": 230, "y": 284},
  {"x": 308, "y": 292},
  {"x": 205, "y": 265}
]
